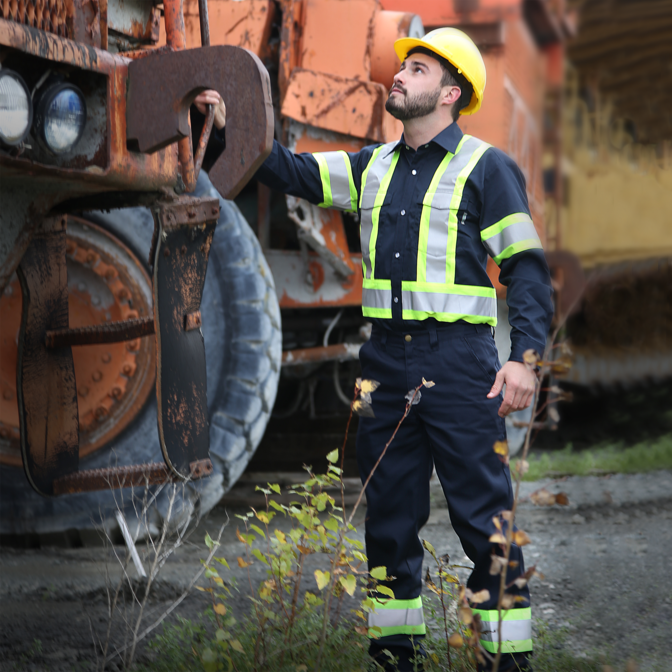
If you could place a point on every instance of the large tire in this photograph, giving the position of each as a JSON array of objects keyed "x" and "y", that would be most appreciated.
[{"x": 243, "y": 343}]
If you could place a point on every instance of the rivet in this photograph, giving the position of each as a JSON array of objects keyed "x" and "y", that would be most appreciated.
[
  {"x": 133, "y": 345},
  {"x": 8, "y": 395},
  {"x": 90, "y": 257},
  {"x": 97, "y": 376},
  {"x": 117, "y": 393},
  {"x": 83, "y": 391},
  {"x": 127, "y": 369},
  {"x": 106, "y": 358},
  {"x": 101, "y": 412},
  {"x": 215, "y": 211},
  {"x": 123, "y": 294},
  {"x": 110, "y": 274}
]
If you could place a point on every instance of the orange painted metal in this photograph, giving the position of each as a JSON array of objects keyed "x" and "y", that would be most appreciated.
[
  {"x": 439, "y": 13},
  {"x": 387, "y": 27},
  {"x": 113, "y": 379},
  {"x": 126, "y": 170}
]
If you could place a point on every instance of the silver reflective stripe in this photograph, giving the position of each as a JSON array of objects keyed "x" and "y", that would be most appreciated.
[
  {"x": 385, "y": 618},
  {"x": 514, "y": 233},
  {"x": 343, "y": 189},
  {"x": 376, "y": 298},
  {"x": 452, "y": 304},
  {"x": 371, "y": 181},
  {"x": 439, "y": 204},
  {"x": 511, "y": 630}
]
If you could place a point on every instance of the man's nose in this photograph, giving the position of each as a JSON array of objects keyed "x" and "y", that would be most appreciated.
[{"x": 399, "y": 78}]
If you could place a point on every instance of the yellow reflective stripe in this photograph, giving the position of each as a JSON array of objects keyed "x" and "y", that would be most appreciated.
[
  {"x": 516, "y": 630},
  {"x": 498, "y": 227},
  {"x": 454, "y": 205},
  {"x": 520, "y": 246},
  {"x": 326, "y": 181},
  {"x": 442, "y": 288},
  {"x": 510, "y": 646},
  {"x": 384, "y": 313},
  {"x": 365, "y": 174},
  {"x": 415, "y": 603},
  {"x": 353, "y": 188},
  {"x": 375, "y": 215},
  {"x": 371, "y": 283},
  {"x": 447, "y": 317}
]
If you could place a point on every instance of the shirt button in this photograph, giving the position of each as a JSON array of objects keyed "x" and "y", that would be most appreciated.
[
  {"x": 396, "y": 255},
  {"x": 408, "y": 338},
  {"x": 396, "y": 299},
  {"x": 406, "y": 146},
  {"x": 414, "y": 172},
  {"x": 403, "y": 212}
]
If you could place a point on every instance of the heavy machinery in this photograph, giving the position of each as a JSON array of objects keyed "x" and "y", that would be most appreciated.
[{"x": 96, "y": 307}]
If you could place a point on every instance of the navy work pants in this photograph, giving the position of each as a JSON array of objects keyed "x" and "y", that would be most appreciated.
[{"x": 452, "y": 428}]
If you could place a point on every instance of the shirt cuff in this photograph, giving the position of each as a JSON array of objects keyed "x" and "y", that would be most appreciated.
[{"x": 519, "y": 346}]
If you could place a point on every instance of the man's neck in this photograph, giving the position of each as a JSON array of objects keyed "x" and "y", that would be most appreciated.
[{"x": 420, "y": 131}]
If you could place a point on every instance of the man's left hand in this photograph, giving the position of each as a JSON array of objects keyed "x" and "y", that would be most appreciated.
[
  {"x": 520, "y": 383},
  {"x": 211, "y": 97}
]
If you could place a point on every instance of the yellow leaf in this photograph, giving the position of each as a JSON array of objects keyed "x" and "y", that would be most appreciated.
[
  {"x": 521, "y": 538},
  {"x": 281, "y": 536},
  {"x": 322, "y": 578},
  {"x": 242, "y": 563},
  {"x": 333, "y": 456},
  {"x": 531, "y": 358},
  {"x": 434, "y": 657},
  {"x": 466, "y": 615},
  {"x": 363, "y": 409},
  {"x": 368, "y": 386},
  {"x": 361, "y": 630},
  {"x": 379, "y": 573},
  {"x": 542, "y": 497},
  {"x": 508, "y": 601},
  {"x": 219, "y": 609},
  {"x": 562, "y": 499},
  {"x": 218, "y": 581},
  {"x": 501, "y": 448},
  {"x": 428, "y": 383},
  {"x": 301, "y": 668},
  {"x": 236, "y": 645},
  {"x": 455, "y": 640},
  {"x": 240, "y": 536},
  {"x": 349, "y": 583},
  {"x": 497, "y": 538}
]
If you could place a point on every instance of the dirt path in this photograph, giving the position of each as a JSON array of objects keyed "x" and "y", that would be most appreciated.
[{"x": 606, "y": 561}]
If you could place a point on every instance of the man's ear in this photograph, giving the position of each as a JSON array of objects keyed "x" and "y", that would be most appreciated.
[{"x": 450, "y": 94}]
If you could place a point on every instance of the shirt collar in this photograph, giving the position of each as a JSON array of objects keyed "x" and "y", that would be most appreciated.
[{"x": 448, "y": 139}]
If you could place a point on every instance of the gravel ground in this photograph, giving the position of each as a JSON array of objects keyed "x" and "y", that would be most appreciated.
[{"x": 605, "y": 558}]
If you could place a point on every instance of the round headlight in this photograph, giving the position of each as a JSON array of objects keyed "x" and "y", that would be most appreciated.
[
  {"x": 60, "y": 117},
  {"x": 16, "y": 109}
]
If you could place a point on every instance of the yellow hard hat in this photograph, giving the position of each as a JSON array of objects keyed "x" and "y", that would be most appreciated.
[{"x": 457, "y": 48}]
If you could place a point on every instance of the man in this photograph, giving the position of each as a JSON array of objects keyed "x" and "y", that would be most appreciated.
[{"x": 432, "y": 206}]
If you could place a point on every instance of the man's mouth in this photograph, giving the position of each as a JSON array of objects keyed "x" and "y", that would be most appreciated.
[{"x": 396, "y": 89}]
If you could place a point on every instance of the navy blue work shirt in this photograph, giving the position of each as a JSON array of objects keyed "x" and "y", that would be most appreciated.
[{"x": 494, "y": 189}]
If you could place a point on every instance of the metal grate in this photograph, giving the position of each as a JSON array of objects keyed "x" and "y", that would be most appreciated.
[{"x": 48, "y": 15}]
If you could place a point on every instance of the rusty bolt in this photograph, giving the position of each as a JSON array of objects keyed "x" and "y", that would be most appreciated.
[
  {"x": 123, "y": 294},
  {"x": 133, "y": 345},
  {"x": 106, "y": 358},
  {"x": 97, "y": 376},
  {"x": 100, "y": 412},
  {"x": 166, "y": 252},
  {"x": 132, "y": 315},
  {"x": 191, "y": 213},
  {"x": 183, "y": 249},
  {"x": 215, "y": 211},
  {"x": 91, "y": 257},
  {"x": 117, "y": 393},
  {"x": 127, "y": 369},
  {"x": 110, "y": 274},
  {"x": 8, "y": 395},
  {"x": 83, "y": 391}
]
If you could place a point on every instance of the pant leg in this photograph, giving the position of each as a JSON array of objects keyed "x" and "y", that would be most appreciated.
[
  {"x": 463, "y": 425},
  {"x": 398, "y": 493}
]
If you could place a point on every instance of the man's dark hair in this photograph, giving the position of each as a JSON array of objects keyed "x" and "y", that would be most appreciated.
[{"x": 450, "y": 77}]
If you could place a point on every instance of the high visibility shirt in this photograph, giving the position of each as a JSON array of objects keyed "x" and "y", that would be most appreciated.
[{"x": 429, "y": 219}]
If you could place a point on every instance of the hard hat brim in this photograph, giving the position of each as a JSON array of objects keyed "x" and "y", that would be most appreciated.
[{"x": 404, "y": 44}]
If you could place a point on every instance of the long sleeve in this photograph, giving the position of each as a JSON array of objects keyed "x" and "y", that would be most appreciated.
[
  {"x": 293, "y": 174},
  {"x": 508, "y": 233}
]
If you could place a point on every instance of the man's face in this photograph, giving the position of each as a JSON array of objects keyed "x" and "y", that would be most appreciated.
[{"x": 417, "y": 88}]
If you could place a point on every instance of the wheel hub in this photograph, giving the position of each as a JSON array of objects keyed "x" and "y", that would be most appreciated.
[{"x": 106, "y": 283}]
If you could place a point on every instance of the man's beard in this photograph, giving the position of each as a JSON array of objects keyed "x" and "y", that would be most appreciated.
[{"x": 413, "y": 108}]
